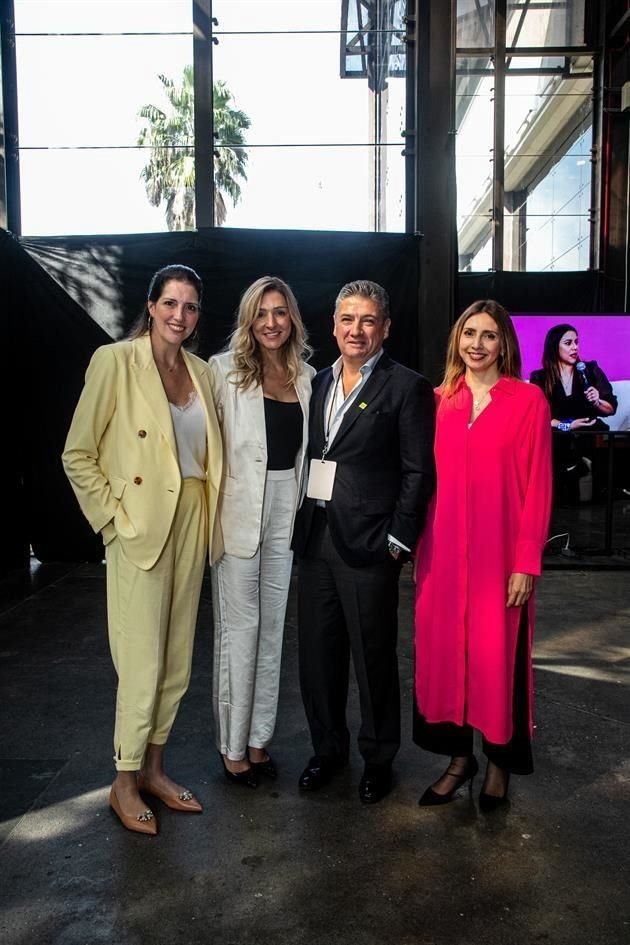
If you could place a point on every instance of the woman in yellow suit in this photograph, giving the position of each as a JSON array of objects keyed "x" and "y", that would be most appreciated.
[{"x": 144, "y": 458}]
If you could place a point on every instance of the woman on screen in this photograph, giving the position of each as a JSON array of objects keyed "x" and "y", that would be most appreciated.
[
  {"x": 579, "y": 392},
  {"x": 580, "y": 396},
  {"x": 478, "y": 559}
]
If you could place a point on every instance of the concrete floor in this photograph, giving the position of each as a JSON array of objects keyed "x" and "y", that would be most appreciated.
[{"x": 271, "y": 866}]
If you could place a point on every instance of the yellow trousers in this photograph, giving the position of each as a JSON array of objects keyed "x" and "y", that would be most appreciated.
[{"x": 152, "y": 617}]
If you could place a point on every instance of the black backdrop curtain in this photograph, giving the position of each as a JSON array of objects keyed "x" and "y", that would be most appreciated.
[
  {"x": 65, "y": 296},
  {"x": 47, "y": 343},
  {"x": 532, "y": 291},
  {"x": 109, "y": 276}
]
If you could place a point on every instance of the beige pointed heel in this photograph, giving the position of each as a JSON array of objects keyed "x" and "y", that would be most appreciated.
[{"x": 143, "y": 823}]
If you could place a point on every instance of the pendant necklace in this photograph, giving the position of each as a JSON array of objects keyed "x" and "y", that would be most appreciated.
[{"x": 480, "y": 400}]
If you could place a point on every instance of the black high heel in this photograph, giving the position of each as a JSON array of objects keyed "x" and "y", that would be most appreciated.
[
  {"x": 431, "y": 798},
  {"x": 490, "y": 802},
  {"x": 246, "y": 778},
  {"x": 266, "y": 767}
]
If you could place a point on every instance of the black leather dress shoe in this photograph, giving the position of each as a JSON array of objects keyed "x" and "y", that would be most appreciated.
[
  {"x": 318, "y": 772},
  {"x": 375, "y": 784}
]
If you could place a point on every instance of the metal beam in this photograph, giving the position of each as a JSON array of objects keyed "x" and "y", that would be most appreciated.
[
  {"x": 498, "y": 186},
  {"x": 204, "y": 123},
  {"x": 10, "y": 212},
  {"x": 435, "y": 179},
  {"x": 410, "y": 132}
]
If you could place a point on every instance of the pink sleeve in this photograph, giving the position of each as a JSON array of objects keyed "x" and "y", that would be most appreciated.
[
  {"x": 534, "y": 526},
  {"x": 431, "y": 508}
]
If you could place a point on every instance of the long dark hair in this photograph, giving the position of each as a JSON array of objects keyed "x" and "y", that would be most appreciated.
[
  {"x": 550, "y": 356},
  {"x": 179, "y": 273},
  {"x": 510, "y": 358}
]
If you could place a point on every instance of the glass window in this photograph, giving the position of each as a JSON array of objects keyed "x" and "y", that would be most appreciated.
[
  {"x": 548, "y": 23},
  {"x": 558, "y": 212},
  {"x": 546, "y": 164},
  {"x": 87, "y": 191},
  {"x": 79, "y": 103},
  {"x": 475, "y": 24},
  {"x": 482, "y": 260},
  {"x": 474, "y": 110},
  {"x": 324, "y": 151},
  {"x": 243, "y": 16},
  {"x": 313, "y": 105},
  {"x": 319, "y": 188},
  {"x": 105, "y": 100},
  {"x": 99, "y": 16},
  {"x": 545, "y": 117},
  {"x": 94, "y": 88},
  {"x": 373, "y": 40}
]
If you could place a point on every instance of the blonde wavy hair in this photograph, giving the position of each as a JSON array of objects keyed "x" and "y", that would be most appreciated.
[
  {"x": 248, "y": 363},
  {"x": 509, "y": 362}
]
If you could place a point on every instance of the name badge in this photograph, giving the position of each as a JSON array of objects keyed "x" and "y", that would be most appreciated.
[{"x": 321, "y": 478}]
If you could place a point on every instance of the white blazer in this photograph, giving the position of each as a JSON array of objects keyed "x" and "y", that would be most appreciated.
[{"x": 241, "y": 416}]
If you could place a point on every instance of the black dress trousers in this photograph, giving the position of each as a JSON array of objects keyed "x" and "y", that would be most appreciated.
[{"x": 345, "y": 610}]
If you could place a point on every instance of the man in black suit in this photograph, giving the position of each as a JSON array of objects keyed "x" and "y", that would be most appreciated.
[{"x": 371, "y": 476}]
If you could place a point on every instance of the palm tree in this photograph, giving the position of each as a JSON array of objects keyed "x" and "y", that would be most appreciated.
[{"x": 169, "y": 174}]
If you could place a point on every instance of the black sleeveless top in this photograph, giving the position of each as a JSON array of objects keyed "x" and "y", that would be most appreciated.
[{"x": 283, "y": 426}]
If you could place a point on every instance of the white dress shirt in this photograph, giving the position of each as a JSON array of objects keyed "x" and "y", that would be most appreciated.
[{"x": 337, "y": 404}]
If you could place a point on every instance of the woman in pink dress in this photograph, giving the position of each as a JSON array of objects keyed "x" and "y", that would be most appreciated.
[{"x": 478, "y": 558}]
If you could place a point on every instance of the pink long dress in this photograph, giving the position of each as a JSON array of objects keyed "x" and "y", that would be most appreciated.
[{"x": 489, "y": 518}]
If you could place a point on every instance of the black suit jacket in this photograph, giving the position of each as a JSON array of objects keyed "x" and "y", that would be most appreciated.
[{"x": 385, "y": 473}]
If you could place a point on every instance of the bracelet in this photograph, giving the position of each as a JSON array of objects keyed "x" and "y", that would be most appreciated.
[
  {"x": 394, "y": 550},
  {"x": 565, "y": 426}
]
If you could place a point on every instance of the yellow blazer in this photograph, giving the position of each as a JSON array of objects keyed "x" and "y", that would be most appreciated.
[{"x": 121, "y": 457}]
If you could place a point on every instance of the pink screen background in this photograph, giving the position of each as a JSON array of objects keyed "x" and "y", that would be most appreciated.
[{"x": 602, "y": 338}]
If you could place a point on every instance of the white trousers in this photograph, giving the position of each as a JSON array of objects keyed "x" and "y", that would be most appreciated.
[
  {"x": 152, "y": 616},
  {"x": 249, "y": 599}
]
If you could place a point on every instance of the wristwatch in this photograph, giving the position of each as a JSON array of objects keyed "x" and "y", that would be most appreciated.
[{"x": 394, "y": 550}]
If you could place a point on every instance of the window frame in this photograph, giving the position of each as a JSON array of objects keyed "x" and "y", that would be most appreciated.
[{"x": 501, "y": 57}]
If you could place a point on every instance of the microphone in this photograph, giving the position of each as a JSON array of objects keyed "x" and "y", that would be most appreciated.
[{"x": 581, "y": 367}]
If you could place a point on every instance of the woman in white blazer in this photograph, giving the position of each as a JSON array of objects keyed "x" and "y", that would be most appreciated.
[
  {"x": 262, "y": 388},
  {"x": 144, "y": 457}
]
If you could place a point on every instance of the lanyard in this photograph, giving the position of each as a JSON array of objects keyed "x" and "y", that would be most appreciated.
[{"x": 329, "y": 418}]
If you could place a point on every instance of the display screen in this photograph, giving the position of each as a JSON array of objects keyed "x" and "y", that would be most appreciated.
[{"x": 601, "y": 338}]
